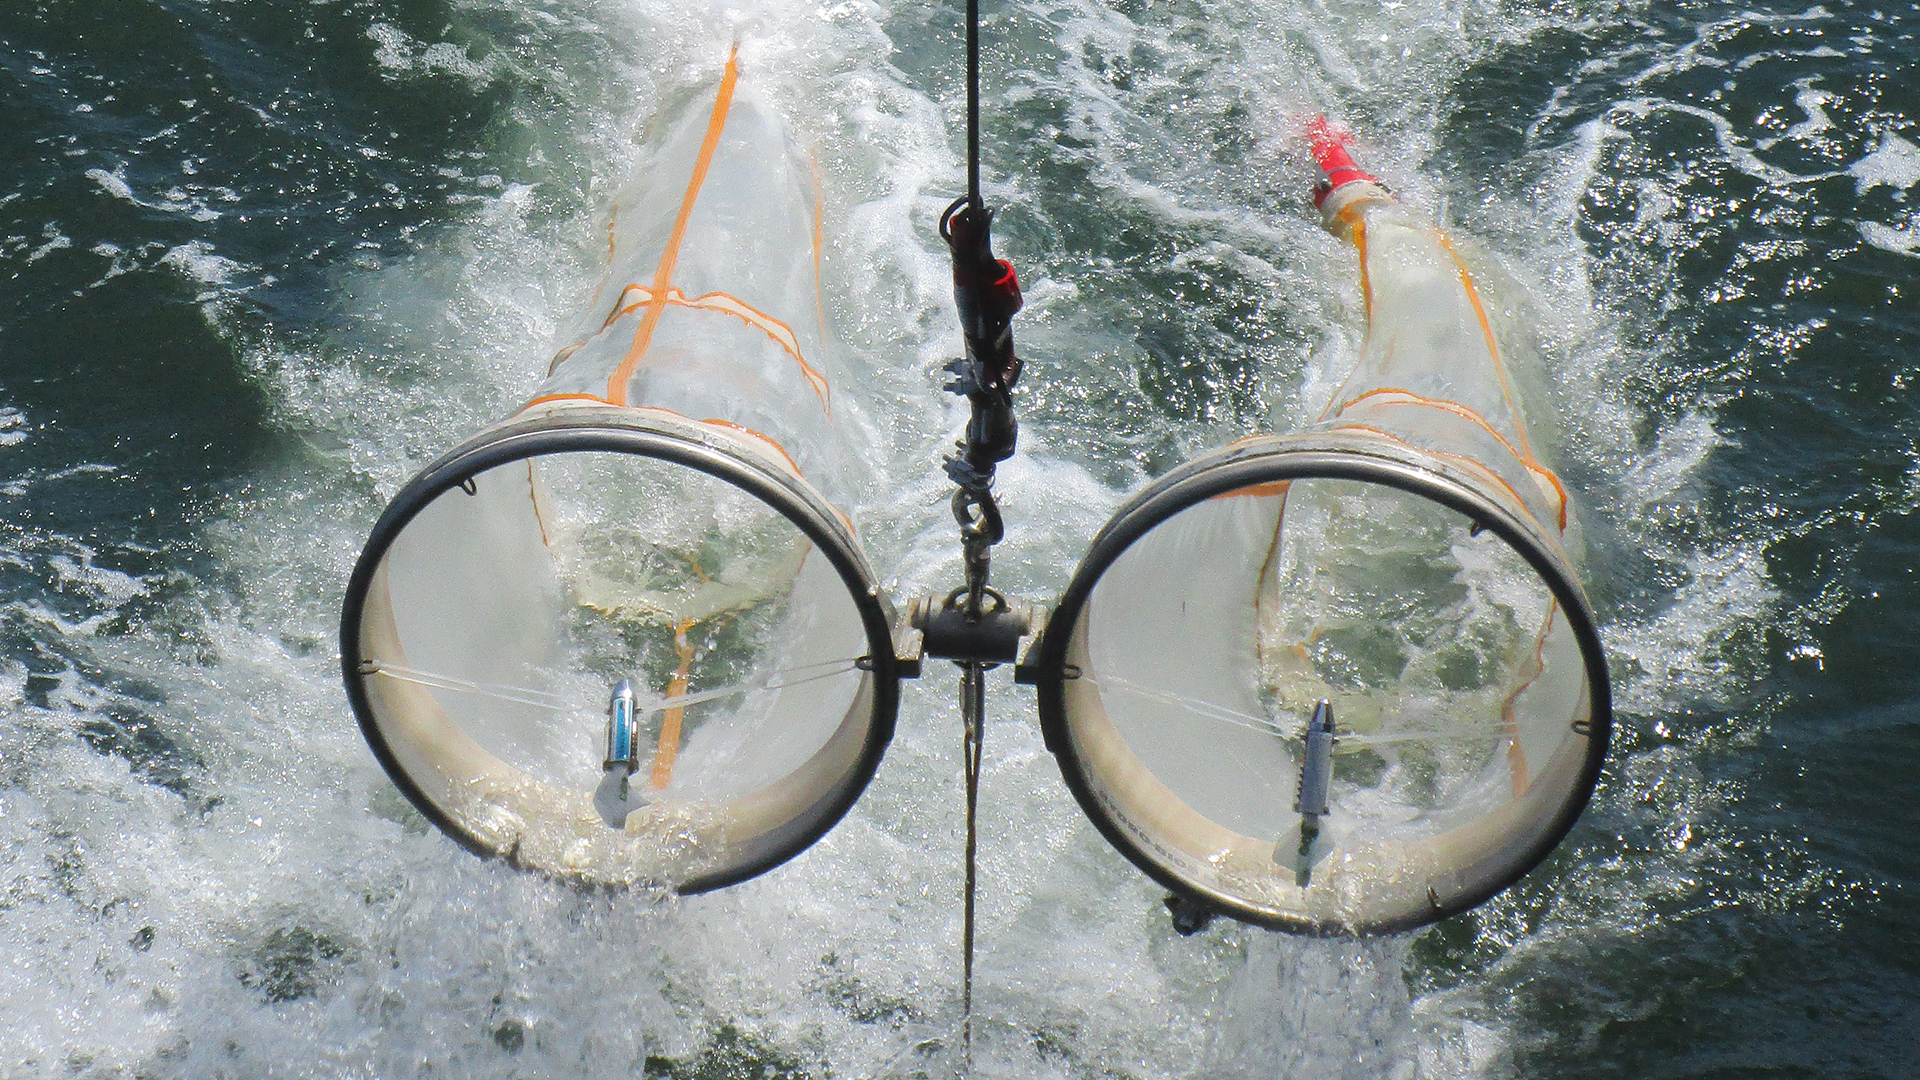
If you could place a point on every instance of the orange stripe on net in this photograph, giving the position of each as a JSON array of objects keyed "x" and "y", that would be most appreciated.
[
  {"x": 1523, "y": 456},
  {"x": 1516, "y": 755},
  {"x": 761, "y": 435},
  {"x": 1445, "y": 405},
  {"x": 1356, "y": 222},
  {"x": 545, "y": 398},
  {"x": 622, "y": 308},
  {"x": 533, "y": 496},
  {"x": 1270, "y": 488},
  {"x": 769, "y": 440},
  {"x": 715, "y": 421},
  {"x": 663, "y": 277},
  {"x": 669, "y": 748},
  {"x": 1359, "y": 225},
  {"x": 819, "y": 239},
  {"x": 1558, "y": 490},
  {"x": 1357, "y": 229},
  {"x": 562, "y": 356},
  {"x": 1469, "y": 463},
  {"x": 1486, "y": 330},
  {"x": 726, "y": 303}
]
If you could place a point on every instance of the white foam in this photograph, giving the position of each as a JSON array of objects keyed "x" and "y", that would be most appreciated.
[
  {"x": 111, "y": 588},
  {"x": 1732, "y": 144},
  {"x": 400, "y": 53},
  {"x": 192, "y": 205},
  {"x": 55, "y": 241},
  {"x": 196, "y": 260},
  {"x": 13, "y": 426},
  {"x": 1901, "y": 239},
  {"x": 1895, "y": 163},
  {"x": 113, "y": 183},
  {"x": 1811, "y": 101}
]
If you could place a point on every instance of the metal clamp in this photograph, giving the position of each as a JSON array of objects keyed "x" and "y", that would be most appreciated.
[{"x": 1005, "y": 632}]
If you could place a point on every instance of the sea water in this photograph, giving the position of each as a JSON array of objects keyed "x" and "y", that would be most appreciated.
[{"x": 260, "y": 262}]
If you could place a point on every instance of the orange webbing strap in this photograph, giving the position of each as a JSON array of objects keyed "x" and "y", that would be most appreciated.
[
  {"x": 1356, "y": 223},
  {"x": 563, "y": 355},
  {"x": 670, "y": 723},
  {"x": 1476, "y": 467},
  {"x": 1486, "y": 330},
  {"x": 774, "y": 328},
  {"x": 1357, "y": 229},
  {"x": 1516, "y": 756},
  {"x": 1360, "y": 244},
  {"x": 1401, "y": 396},
  {"x": 533, "y": 496},
  {"x": 545, "y": 399},
  {"x": 819, "y": 238},
  {"x": 1523, "y": 454},
  {"x": 663, "y": 277},
  {"x": 1256, "y": 491},
  {"x": 714, "y": 421}
]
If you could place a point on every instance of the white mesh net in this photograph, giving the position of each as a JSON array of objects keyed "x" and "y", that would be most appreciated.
[
  {"x": 1459, "y": 689},
  {"x": 499, "y": 621}
]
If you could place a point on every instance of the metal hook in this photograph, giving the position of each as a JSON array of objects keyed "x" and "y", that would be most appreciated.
[{"x": 986, "y": 525}]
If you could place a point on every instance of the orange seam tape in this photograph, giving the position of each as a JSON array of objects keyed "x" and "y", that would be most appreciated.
[
  {"x": 1486, "y": 330},
  {"x": 1358, "y": 228},
  {"x": 1462, "y": 458},
  {"x": 543, "y": 399},
  {"x": 819, "y": 240},
  {"x": 1525, "y": 458},
  {"x": 1271, "y": 487},
  {"x": 1445, "y": 405},
  {"x": 663, "y": 277},
  {"x": 761, "y": 435},
  {"x": 726, "y": 303},
  {"x": 770, "y": 441},
  {"x": 669, "y": 748},
  {"x": 1360, "y": 245},
  {"x": 716, "y": 421},
  {"x": 561, "y": 356},
  {"x": 1516, "y": 755},
  {"x": 533, "y": 496}
]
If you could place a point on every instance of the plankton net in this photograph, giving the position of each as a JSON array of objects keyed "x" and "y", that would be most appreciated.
[
  {"x": 1344, "y": 680},
  {"x": 1339, "y": 681},
  {"x": 628, "y": 635}
]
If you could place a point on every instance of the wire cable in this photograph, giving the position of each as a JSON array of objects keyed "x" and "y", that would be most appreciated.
[
  {"x": 973, "y": 104},
  {"x": 974, "y": 709}
]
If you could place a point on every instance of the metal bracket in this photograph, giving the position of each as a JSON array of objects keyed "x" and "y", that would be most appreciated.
[
  {"x": 1026, "y": 671},
  {"x": 909, "y": 644},
  {"x": 1007, "y": 632}
]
